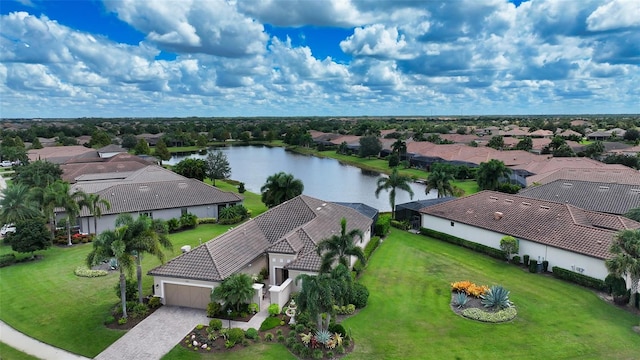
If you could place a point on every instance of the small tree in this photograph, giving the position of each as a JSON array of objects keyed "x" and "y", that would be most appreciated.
[
  {"x": 625, "y": 249},
  {"x": 509, "y": 245},
  {"x": 217, "y": 166},
  {"x": 142, "y": 148},
  {"x": 235, "y": 290},
  {"x": 370, "y": 146},
  {"x": 31, "y": 235},
  {"x": 161, "y": 151}
]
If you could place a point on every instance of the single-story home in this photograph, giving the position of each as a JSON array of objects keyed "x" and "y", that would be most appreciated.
[
  {"x": 607, "y": 197},
  {"x": 564, "y": 235},
  {"x": 283, "y": 240}
]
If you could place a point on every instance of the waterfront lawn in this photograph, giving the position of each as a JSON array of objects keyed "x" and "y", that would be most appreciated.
[
  {"x": 252, "y": 201},
  {"x": 45, "y": 300},
  {"x": 409, "y": 315}
]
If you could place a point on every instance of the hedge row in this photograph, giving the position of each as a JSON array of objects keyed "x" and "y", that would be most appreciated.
[
  {"x": 7, "y": 259},
  {"x": 579, "y": 279},
  {"x": 368, "y": 250},
  {"x": 495, "y": 253}
]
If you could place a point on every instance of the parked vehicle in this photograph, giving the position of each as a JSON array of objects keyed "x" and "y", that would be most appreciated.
[
  {"x": 7, "y": 228},
  {"x": 6, "y": 163}
]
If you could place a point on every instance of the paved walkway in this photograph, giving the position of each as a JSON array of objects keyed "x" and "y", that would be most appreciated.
[
  {"x": 156, "y": 335},
  {"x": 22, "y": 342}
]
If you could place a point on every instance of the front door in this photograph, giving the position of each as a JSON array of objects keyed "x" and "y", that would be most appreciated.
[{"x": 281, "y": 275}]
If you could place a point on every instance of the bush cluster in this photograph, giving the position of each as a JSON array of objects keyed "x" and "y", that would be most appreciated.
[
  {"x": 495, "y": 253},
  {"x": 382, "y": 225},
  {"x": 207, "y": 221},
  {"x": 233, "y": 214},
  {"x": 579, "y": 279},
  {"x": 7, "y": 259},
  {"x": 492, "y": 317},
  {"x": 186, "y": 221},
  {"x": 515, "y": 260},
  {"x": 344, "y": 310},
  {"x": 469, "y": 288},
  {"x": 269, "y": 323},
  {"x": 402, "y": 225},
  {"x": 359, "y": 295},
  {"x": 368, "y": 250},
  {"x": 83, "y": 271}
]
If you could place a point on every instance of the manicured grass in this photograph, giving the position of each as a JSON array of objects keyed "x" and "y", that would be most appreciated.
[
  {"x": 252, "y": 201},
  {"x": 9, "y": 353},
  {"x": 254, "y": 351},
  {"x": 45, "y": 300},
  {"x": 409, "y": 316}
]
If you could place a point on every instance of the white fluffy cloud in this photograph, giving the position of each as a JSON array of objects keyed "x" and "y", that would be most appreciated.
[{"x": 397, "y": 57}]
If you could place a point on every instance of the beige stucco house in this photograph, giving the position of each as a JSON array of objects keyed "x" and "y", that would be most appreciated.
[{"x": 282, "y": 240}]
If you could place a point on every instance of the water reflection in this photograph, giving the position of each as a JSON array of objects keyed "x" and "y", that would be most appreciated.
[{"x": 323, "y": 178}]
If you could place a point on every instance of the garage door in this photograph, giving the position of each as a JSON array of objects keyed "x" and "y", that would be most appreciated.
[{"x": 187, "y": 296}]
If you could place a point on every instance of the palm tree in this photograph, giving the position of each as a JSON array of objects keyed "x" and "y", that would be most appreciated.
[
  {"x": 319, "y": 293},
  {"x": 440, "y": 181},
  {"x": 93, "y": 203},
  {"x": 143, "y": 235},
  {"x": 279, "y": 188},
  {"x": 340, "y": 248},
  {"x": 111, "y": 244},
  {"x": 395, "y": 180},
  {"x": 17, "y": 204},
  {"x": 490, "y": 173},
  {"x": 316, "y": 296},
  {"x": 60, "y": 196},
  {"x": 235, "y": 290},
  {"x": 633, "y": 214},
  {"x": 399, "y": 147},
  {"x": 626, "y": 258}
]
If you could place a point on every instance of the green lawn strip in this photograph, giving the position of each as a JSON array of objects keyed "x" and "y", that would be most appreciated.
[
  {"x": 254, "y": 351},
  {"x": 9, "y": 353},
  {"x": 409, "y": 280},
  {"x": 252, "y": 201}
]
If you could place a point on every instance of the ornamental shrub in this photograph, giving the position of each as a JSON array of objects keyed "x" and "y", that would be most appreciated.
[
  {"x": 269, "y": 323},
  {"x": 533, "y": 266},
  {"x": 515, "y": 260},
  {"x": 545, "y": 265},
  {"x": 495, "y": 253},
  {"x": 337, "y": 328},
  {"x": 236, "y": 335},
  {"x": 213, "y": 308},
  {"x": 83, "y": 271},
  {"x": 139, "y": 311},
  {"x": 154, "y": 302},
  {"x": 267, "y": 336},
  {"x": 492, "y": 317},
  {"x": 359, "y": 295},
  {"x": 7, "y": 259},
  {"x": 173, "y": 224},
  {"x": 131, "y": 290},
  {"x": 382, "y": 225},
  {"x": 188, "y": 221},
  {"x": 251, "y": 333},
  {"x": 274, "y": 309},
  {"x": 215, "y": 324},
  {"x": 525, "y": 260}
]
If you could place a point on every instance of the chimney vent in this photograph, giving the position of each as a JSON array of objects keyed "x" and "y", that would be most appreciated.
[{"x": 498, "y": 215}]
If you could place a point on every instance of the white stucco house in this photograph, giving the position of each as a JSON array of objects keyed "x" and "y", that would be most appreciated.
[
  {"x": 564, "y": 235},
  {"x": 282, "y": 240}
]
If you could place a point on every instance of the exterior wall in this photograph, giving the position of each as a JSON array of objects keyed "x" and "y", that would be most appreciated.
[
  {"x": 280, "y": 294},
  {"x": 278, "y": 261},
  {"x": 107, "y": 222},
  {"x": 159, "y": 281},
  {"x": 365, "y": 240},
  {"x": 293, "y": 274},
  {"x": 254, "y": 267},
  {"x": 565, "y": 259}
]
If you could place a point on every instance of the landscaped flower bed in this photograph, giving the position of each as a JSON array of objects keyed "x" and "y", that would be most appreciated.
[{"x": 482, "y": 303}]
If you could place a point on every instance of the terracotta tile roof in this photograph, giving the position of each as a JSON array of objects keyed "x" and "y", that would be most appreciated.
[
  {"x": 150, "y": 196},
  {"x": 605, "y": 175},
  {"x": 59, "y": 154},
  {"x": 595, "y": 196},
  {"x": 546, "y": 222},
  {"x": 295, "y": 226},
  {"x": 551, "y": 164},
  {"x": 94, "y": 182},
  {"x": 117, "y": 163}
]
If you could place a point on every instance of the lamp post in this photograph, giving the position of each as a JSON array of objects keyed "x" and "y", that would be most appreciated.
[{"x": 229, "y": 316}]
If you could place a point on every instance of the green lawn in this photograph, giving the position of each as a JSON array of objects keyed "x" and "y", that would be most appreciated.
[
  {"x": 9, "y": 353},
  {"x": 45, "y": 300},
  {"x": 252, "y": 352},
  {"x": 409, "y": 317}
]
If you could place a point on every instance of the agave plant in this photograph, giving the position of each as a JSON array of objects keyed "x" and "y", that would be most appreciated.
[
  {"x": 496, "y": 297},
  {"x": 323, "y": 336},
  {"x": 338, "y": 338},
  {"x": 460, "y": 299}
]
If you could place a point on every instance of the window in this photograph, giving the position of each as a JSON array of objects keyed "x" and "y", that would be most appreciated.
[
  {"x": 147, "y": 214},
  {"x": 452, "y": 223},
  {"x": 183, "y": 211}
]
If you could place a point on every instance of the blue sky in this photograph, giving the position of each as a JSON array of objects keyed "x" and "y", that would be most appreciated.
[{"x": 318, "y": 58}]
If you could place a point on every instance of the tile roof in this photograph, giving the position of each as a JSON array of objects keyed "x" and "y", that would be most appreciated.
[
  {"x": 118, "y": 163},
  {"x": 598, "y": 174},
  {"x": 150, "y": 196},
  {"x": 595, "y": 196},
  {"x": 295, "y": 226},
  {"x": 546, "y": 222},
  {"x": 555, "y": 163},
  {"x": 94, "y": 182},
  {"x": 59, "y": 154}
]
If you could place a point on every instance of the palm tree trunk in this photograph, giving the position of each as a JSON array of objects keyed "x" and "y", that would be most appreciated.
[
  {"x": 95, "y": 225},
  {"x": 319, "y": 321},
  {"x": 123, "y": 293},
  {"x": 139, "y": 275},
  {"x": 69, "y": 232}
]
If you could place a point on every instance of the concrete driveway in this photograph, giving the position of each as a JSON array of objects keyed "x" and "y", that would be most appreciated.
[{"x": 156, "y": 335}]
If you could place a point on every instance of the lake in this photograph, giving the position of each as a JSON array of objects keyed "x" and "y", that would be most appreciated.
[{"x": 323, "y": 178}]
